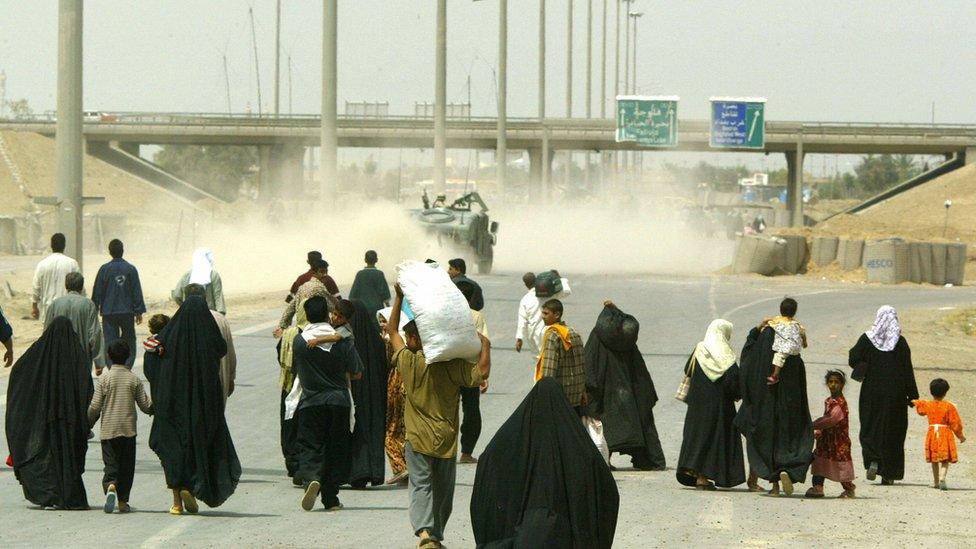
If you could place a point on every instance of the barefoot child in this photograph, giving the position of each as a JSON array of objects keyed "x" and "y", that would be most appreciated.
[
  {"x": 117, "y": 394},
  {"x": 832, "y": 457},
  {"x": 944, "y": 422},
  {"x": 789, "y": 337}
]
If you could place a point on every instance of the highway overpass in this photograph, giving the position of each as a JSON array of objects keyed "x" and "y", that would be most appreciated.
[{"x": 282, "y": 140}]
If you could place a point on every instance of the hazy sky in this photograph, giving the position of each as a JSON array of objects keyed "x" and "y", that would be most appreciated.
[{"x": 871, "y": 60}]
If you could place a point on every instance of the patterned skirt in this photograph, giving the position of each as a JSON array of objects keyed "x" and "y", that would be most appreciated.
[{"x": 395, "y": 428}]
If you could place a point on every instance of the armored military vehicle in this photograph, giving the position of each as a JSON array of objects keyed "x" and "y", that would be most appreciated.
[{"x": 457, "y": 222}]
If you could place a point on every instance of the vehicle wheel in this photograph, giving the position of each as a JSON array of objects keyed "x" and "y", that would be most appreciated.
[{"x": 484, "y": 267}]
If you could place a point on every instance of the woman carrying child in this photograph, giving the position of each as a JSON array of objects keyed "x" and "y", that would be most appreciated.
[{"x": 832, "y": 456}]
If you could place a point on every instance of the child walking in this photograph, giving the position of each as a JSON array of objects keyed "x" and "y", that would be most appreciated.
[
  {"x": 832, "y": 456},
  {"x": 789, "y": 337},
  {"x": 944, "y": 422},
  {"x": 117, "y": 394}
]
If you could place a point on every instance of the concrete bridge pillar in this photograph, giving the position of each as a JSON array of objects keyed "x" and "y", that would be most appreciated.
[
  {"x": 280, "y": 171},
  {"x": 540, "y": 168},
  {"x": 969, "y": 156},
  {"x": 794, "y": 185},
  {"x": 129, "y": 147}
]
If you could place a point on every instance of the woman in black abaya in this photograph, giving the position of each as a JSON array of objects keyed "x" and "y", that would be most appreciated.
[
  {"x": 882, "y": 362},
  {"x": 48, "y": 394},
  {"x": 711, "y": 450},
  {"x": 621, "y": 392},
  {"x": 541, "y": 482},
  {"x": 189, "y": 432},
  {"x": 369, "y": 393}
]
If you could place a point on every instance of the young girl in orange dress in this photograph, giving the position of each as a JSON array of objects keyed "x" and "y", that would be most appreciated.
[
  {"x": 832, "y": 457},
  {"x": 944, "y": 425}
]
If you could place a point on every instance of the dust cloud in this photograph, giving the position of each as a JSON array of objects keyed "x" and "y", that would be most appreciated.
[
  {"x": 255, "y": 256},
  {"x": 596, "y": 238}
]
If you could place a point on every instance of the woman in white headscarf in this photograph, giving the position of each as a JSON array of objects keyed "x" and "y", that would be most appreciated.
[
  {"x": 203, "y": 273},
  {"x": 882, "y": 362},
  {"x": 711, "y": 450}
]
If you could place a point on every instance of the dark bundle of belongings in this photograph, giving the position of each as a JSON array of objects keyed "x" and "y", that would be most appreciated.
[
  {"x": 621, "y": 391},
  {"x": 548, "y": 284}
]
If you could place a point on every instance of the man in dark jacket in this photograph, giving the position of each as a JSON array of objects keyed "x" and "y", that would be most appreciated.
[
  {"x": 118, "y": 295},
  {"x": 457, "y": 269}
]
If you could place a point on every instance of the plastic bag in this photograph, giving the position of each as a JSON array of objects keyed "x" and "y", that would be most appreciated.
[
  {"x": 441, "y": 312},
  {"x": 594, "y": 427}
]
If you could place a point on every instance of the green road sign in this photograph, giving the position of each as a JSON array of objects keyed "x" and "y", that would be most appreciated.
[
  {"x": 738, "y": 123},
  {"x": 648, "y": 121}
]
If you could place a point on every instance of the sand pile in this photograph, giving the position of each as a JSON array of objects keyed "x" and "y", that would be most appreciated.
[
  {"x": 34, "y": 156},
  {"x": 917, "y": 214}
]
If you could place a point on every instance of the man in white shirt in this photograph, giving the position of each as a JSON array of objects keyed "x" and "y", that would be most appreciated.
[
  {"x": 529, "y": 325},
  {"x": 49, "y": 275}
]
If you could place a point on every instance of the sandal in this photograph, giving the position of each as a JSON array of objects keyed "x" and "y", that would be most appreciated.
[
  {"x": 176, "y": 510},
  {"x": 846, "y": 494},
  {"x": 708, "y": 486},
  {"x": 814, "y": 493},
  {"x": 189, "y": 502},
  {"x": 787, "y": 483},
  {"x": 755, "y": 488}
]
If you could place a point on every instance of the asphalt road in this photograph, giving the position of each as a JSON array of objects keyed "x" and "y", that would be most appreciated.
[{"x": 654, "y": 509}]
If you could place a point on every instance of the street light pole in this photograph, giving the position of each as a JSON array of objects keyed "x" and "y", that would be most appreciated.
[
  {"x": 440, "y": 102},
  {"x": 542, "y": 59},
  {"x": 68, "y": 136},
  {"x": 569, "y": 59},
  {"x": 329, "y": 167},
  {"x": 603, "y": 64},
  {"x": 633, "y": 73},
  {"x": 277, "y": 83},
  {"x": 502, "y": 146},
  {"x": 589, "y": 57}
]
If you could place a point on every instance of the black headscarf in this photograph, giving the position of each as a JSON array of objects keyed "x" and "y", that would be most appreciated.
[
  {"x": 189, "y": 432},
  {"x": 369, "y": 394},
  {"x": 621, "y": 390},
  {"x": 48, "y": 395},
  {"x": 541, "y": 482}
]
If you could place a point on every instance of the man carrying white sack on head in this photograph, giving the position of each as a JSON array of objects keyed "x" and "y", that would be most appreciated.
[
  {"x": 529, "y": 325},
  {"x": 434, "y": 364}
]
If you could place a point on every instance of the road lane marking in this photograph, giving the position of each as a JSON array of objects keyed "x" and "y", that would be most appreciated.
[
  {"x": 256, "y": 328},
  {"x": 734, "y": 310},
  {"x": 712, "y": 308},
  {"x": 168, "y": 533}
]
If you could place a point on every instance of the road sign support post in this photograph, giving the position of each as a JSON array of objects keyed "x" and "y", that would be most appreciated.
[{"x": 68, "y": 141}]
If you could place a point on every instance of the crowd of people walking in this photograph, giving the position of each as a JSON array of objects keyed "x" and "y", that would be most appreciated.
[{"x": 357, "y": 391}]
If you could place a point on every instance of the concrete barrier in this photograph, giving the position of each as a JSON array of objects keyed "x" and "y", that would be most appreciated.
[
  {"x": 796, "y": 254},
  {"x": 886, "y": 261},
  {"x": 955, "y": 264},
  {"x": 920, "y": 262},
  {"x": 938, "y": 275},
  {"x": 759, "y": 254},
  {"x": 824, "y": 250},
  {"x": 850, "y": 254},
  {"x": 8, "y": 235}
]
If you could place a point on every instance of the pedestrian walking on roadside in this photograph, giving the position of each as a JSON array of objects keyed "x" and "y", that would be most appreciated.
[
  {"x": 83, "y": 315},
  {"x": 882, "y": 362},
  {"x": 118, "y": 294},
  {"x": 711, "y": 448},
  {"x": 117, "y": 394},
  {"x": 311, "y": 257},
  {"x": 561, "y": 356},
  {"x": 471, "y": 396},
  {"x": 228, "y": 364},
  {"x": 431, "y": 394},
  {"x": 48, "y": 282},
  {"x": 457, "y": 269},
  {"x": 7, "y": 340},
  {"x": 944, "y": 423},
  {"x": 370, "y": 285},
  {"x": 48, "y": 393},
  {"x": 189, "y": 432},
  {"x": 832, "y": 456},
  {"x": 203, "y": 273},
  {"x": 324, "y": 407}
]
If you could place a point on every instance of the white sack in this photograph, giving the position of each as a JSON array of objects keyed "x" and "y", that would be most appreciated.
[
  {"x": 594, "y": 427},
  {"x": 442, "y": 314}
]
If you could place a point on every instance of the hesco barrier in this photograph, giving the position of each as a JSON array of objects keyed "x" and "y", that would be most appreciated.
[
  {"x": 850, "y": 254},
  {"x": 796, "y": 255},
  {"x": 938, "y": 264},
  {"x": 886, "y": 261},
  {"x": 8, "y": 235},
  {"x": 759, "y": 254},
  {"x": 920, "y": 262},
  {"x": 824, "y": 250},
  {"x": 955, "y": 264}
]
